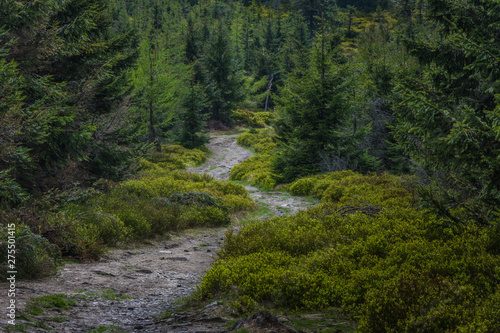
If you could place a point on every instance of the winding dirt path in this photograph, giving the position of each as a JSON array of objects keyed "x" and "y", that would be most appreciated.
[
  {"x": 227, "y": 154},
  {"x": 128, "y": 288}
]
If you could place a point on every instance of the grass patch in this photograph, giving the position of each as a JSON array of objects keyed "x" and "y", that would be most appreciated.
[
  {"x": 37, "y": 306},
  {"x": 106, "y": 294}
]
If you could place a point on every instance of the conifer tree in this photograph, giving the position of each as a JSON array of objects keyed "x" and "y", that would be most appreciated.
[
  {"x": 448, "y": 117},
  {"x": 312, "y": 117},
  {"x": 69, "y": 71},
  {"x": 223, "y": 82},
  {"x": 192, "y": 118}
]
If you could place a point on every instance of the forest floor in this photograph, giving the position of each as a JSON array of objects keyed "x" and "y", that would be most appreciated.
[{"x": 128, "y": 289}]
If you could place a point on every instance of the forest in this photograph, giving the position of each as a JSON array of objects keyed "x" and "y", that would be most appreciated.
[{"x": 386, "y": 112}]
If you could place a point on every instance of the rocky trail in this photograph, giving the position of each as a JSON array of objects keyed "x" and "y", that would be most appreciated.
[{"x": 127, "y": 289}]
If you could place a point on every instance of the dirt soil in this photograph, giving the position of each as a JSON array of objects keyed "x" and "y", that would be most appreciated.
[{"x": 148, "y": 280}]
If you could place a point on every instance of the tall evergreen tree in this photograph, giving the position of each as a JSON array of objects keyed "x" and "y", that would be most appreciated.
[
  {"x": 224, "y": 82},
  {"x": 192, "y": 118},
  {"x": 69, "y": 72},
  {"x": 312, "y": 119},
  {"x": 448, "y": 117}
]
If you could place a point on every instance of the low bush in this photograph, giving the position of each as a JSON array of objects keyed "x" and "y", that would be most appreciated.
[
  {"x": 257, "y": 169},
  {"x": 261, "y": 141},
  {"x": 154, "y": 205},
  {"x": 252, "y": 118},
  {"x": 159, "y": 200},
  {"x": 369, "y": 251},
  {"x": 174, "y": 157},
  {"x": 34, "y": 256}
]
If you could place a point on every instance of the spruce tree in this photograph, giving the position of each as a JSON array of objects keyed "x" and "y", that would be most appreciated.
[
  {"x": 69, "y": 71},
  {"x": 448, "y": 119},
  {"x": 223, "y": 80},
  {"x": 312, "y": 119},
  {"x": 192, "y": 118}
]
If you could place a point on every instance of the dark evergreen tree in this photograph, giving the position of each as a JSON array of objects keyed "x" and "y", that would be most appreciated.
[
  {"x": 312, "y": 120},
  {"x": 69, "y": 69},
  {"x": 192, "y": 119},
  {"x": 448, "y": 117},
  {"x": 223, "y": 82}
]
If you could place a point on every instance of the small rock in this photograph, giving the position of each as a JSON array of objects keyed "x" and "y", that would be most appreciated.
[
  {"x": 104, "y": 273},
  {"x": 177, "y": 259},
  {"x": 186, "y": 250},
  {"x": 144, "y": 271}
]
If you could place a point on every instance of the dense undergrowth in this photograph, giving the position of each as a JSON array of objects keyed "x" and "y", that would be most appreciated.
[
  {"x": 159, "y": 199},
  {"x": 251, "y": 118},
  {"x": 257, "y": 169},
  {"x": 368, "y": 250}
]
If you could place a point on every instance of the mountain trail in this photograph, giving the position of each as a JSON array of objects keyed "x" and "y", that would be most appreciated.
[{"x": 127, "y": 288}]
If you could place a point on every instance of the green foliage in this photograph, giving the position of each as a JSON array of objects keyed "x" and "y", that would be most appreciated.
[
  {"x": 161, "y": 200},
  {"x": 262, "y": 141},
  {"x": 371, "y": 253},
  {"x": 173, "y": 157},
  {"x": 252, "y": 118},
  {"x": 34, "y": 256},
  {"x": 192, "y": 119},
  {"x": 312, "y": 116},
  {"x": 36, "y": 306},
  {"x": 447, "y": 119},
  {"x": 61, "y": 94},
  {"x": 224, "y": 81},
  {"x": 159, "y": 81},
  {"x": 257, "y": 169}
]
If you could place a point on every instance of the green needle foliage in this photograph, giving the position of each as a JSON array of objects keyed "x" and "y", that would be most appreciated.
[
  {"x": 312, "y": 118},
  {"x": 448, "y": 117}
]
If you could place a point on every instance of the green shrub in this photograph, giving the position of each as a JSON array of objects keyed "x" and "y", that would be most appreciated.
[
  {"x": 261, "y": 141},
  {"x": 158, "y": 203},
  {"x": 34, "y": 256},
  {"x": 174, "y": 157},
  {"x": 252, "y": 118},
  {"x": 369, "y": 251},
  {"x": 255, "y": 170}
]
